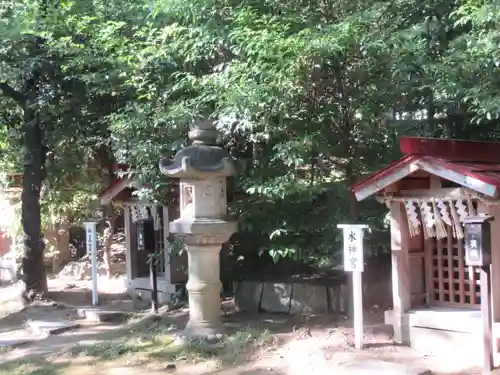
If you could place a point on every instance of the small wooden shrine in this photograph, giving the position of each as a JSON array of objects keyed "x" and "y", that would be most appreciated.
[
  {"x": 172, "y": 271},
  {"x": 430, "y": 191}
]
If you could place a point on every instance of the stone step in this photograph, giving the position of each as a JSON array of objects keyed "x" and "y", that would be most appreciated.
[
  {"x": 49, "y": 327},
  {"x": 99, "y": 315},
  {"x": 16, "y": 338},
  {"x": 377, "y": 367},
  {"x": 445, "y": 342}
]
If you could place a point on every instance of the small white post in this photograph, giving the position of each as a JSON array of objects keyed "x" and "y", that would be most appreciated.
[
  {"x": 91, "y": 239},
  {"x": 354, "y": 262}
]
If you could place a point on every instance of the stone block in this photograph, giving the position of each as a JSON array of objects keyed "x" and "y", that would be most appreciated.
[
  {"x": 308, "y": 299},
  {"x": 377, "y": 293},
  {"x": 338, "y": 298},
  {"x": 276, "y": 297},
  {"x": 164, "y": 298},
  {"x": 98, "y": 315},
  {"x": 145, "y": 295},
  {"x": 8, "y": 270},
  {"x": 14, "y": 343},
  {"x": 13, "y": 339},
  {"x": 377, "y": 367},
  {"x": 247, "y": 296},
  {"x": 447, "y": 343},
  {"x": 50, "y": 327}
]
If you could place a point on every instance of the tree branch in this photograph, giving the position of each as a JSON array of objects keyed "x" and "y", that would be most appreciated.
[{"x": 12, "y": 93}]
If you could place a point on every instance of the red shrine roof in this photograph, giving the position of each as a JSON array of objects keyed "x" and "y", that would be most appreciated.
[
  {"x": 120, "y": 189},
  {"x": 472, "y": 164}
]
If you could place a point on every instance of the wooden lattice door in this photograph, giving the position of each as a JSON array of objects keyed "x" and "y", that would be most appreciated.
[{"x": 449, "y": 281}]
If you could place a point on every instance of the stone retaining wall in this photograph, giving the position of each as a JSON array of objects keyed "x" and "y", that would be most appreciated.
[{"x": 305, "y": 298}]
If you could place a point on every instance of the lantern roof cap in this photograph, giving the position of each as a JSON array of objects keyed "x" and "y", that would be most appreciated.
[{"x": 203, "y": 158}]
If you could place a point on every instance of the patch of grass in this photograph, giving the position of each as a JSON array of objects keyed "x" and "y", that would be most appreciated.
[
  {"x": 6, "y": 349},
  {"x": 149, "y": 339},
  {"x": 193, "y": 352},
  {"x": 244, "y": 343},
  {"x": 111, "y": 350},
  {"x": 145, "y": 325},
  {"x": 251, "y": 336},
  {"x": 9, "y": 367},
  {"x": 146, "y": 335},
  {"x": 233, "y": 349},
  {"x": 8, "y": 307},
  {"x": 27, "y": 367},
  {"x": 154, "y": 340}
]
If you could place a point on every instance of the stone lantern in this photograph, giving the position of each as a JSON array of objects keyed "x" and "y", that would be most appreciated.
[{"x": 203, "y": 225}]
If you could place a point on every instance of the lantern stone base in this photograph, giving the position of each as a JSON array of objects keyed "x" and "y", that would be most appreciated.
[
  {"x": 203, "y": 239},
  {"x": 204, "y": 300},
  {"x": 200, "y": 231},
  {"x": 202, "y": 331}
]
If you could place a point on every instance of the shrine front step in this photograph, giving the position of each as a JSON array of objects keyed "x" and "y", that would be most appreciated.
[
  {"x": 448, "y": 343},
  {"x": 446, "y": 332},
  {"x": 378, "y": 367},
  {"x": 453, "y": 344}
]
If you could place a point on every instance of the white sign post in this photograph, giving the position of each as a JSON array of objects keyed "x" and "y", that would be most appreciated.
[
  {"x": 91, "y": 240},
  {"x": 354, "y": 262}
]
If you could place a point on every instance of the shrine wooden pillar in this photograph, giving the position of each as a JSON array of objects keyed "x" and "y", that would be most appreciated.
[
  {"x": 400, "y": 272},
  {"x": 495, "y": 277},
  {"x": 130, "y": 245},
  {"x": 495, "y": 259}
]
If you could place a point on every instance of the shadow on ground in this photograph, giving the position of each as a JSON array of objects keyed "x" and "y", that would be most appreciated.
[
  {"x": 143, "y": 341},
  {"x": 144, "y": 344}
]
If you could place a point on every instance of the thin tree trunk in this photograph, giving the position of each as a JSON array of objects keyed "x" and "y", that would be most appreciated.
[
  {"x": 106, "y": 160},
  {"x": 353, "y": 204},
  {"x": 109, "y": 231}
]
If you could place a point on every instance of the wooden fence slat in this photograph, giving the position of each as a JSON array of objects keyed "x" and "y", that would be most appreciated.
[
  {"x": 461, "y": 271},
  {"x": 450, "y": 250},
  {"x": 428, "y": 271},
  {"x": 440, "y": 270}
]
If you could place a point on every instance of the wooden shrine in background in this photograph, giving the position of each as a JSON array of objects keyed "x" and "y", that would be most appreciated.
[
  {"x": 429, "y": 192},
  {"x": 172, "y": 270}
]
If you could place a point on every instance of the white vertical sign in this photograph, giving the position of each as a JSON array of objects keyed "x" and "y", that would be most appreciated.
[
  {"x": 91, "y": 240},
  {"x": 353, "y": 248},
  {"x": 354, "y": 263}
]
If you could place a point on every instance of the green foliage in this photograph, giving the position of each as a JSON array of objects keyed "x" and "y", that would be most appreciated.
[
  {"x": 311, "y": 95},
  {"x": 74, "y": 98},
  {"x": 300, "y": 96}
]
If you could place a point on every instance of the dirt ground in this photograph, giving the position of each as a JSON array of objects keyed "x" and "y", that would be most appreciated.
[{"x": 261, "y": 344}]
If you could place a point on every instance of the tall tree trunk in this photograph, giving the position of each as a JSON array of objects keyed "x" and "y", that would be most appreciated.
[{"x": 33, "y": 268}]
